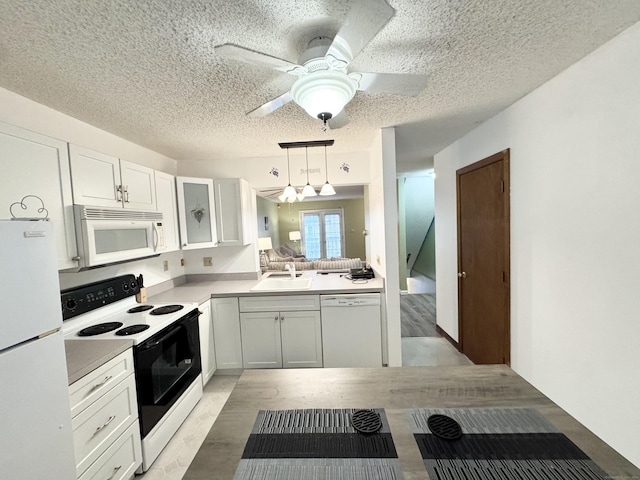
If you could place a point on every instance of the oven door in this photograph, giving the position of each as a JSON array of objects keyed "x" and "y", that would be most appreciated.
[{"x": 165, "y": 366}]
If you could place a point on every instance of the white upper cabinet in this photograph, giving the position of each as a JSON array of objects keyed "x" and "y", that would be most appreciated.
[
  {"x": 138, "y": 186},
  {"x": 168, "y": 205},
  {"x": 196, "y": 213},
  {"x": 34, "y": 167},
  {"x": 233, "y": 211},
  {"x": 104, "y": 181}
]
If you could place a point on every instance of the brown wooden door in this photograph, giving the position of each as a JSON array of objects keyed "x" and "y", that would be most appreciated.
[{"x": 483, "y": 260}]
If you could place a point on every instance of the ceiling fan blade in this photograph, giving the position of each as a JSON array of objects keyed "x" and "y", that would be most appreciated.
[
  {"x": 398, "y": 83},
  {"x": 339, "y": 120},
  {"x": 235, "y": 52},
  {"x": 271, "y": 106},
  {"x": 363, "y": 22}
]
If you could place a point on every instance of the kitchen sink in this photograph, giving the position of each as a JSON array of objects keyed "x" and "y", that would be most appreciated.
[
  {"x": 277, "y": 283},
  {"x": 282, "y": 275}
]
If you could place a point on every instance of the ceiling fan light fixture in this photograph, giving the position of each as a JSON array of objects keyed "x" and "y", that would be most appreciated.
[{"x": 324, "y": 92}]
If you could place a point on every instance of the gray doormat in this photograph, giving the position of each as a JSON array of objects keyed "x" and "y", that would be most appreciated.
[
  {"x": 314, "y": 444},
  {"x": 500, "y": 443}
]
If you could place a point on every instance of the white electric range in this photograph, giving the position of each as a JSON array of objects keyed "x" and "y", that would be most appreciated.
[
  {"x": 166, "y": 351},
  {"x": 125, "y": 319}
]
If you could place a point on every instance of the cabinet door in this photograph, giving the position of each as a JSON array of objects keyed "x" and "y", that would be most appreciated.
[
  {"x": 207, "y": 348},
  {"x": 225, "y": 316},
  {"x": 232, "y": 211},
  {"x": 138, "y": 186},
  {"x": 167, "y": 204},
  {"x": 95, "y": 178},
  {"x": 196, "y": 212},
  {"x": 32, "y": 164},
  {"x": 301, "y": 339},
  {"x": 261, "y": 344}
]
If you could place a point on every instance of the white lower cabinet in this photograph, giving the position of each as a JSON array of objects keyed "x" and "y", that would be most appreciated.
[
  {"x": 106, "y": 435},
  {"x": 281, "y": 331},
  {"x": 225, "y": 318},
  {"x": 207, "y": 347}
]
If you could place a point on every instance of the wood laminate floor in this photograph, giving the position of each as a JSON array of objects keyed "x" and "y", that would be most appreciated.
[
  {"x": 418, "y": 315},
  {"x": 395, "y": 390}
]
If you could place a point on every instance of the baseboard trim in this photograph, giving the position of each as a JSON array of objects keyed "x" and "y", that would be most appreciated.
[{"x": 447, "y": 337}]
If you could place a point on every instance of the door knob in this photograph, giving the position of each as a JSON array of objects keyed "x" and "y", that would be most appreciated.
[{"x": 462, "y": 274}]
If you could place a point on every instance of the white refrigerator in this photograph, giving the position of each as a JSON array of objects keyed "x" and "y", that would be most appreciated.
[{"x": 35, "y": 427}]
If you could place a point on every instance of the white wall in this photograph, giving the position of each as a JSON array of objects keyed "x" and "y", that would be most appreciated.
[
  {"x": 257, "y": 170},
  {"x": 382, "y": 244},
  {"x": 575, "y": 231},
  {"x": 25, "y": 113}
]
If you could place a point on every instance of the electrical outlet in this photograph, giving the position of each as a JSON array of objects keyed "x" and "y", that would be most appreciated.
[
  {"x": 165, "y": 265},
  {"x": 207, "y": 261}
]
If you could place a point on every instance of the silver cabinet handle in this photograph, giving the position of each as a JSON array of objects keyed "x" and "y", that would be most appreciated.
[
  {"x": 101, "y": 384},
  {"x": 104, "y": 425},
  {"x": 115, "y": 470},
  {"x": 126, "y": 194},
  {"x": 276, "y": 318},
  {"x": 119, "y": 193},
  {"x": 281, "y": 317}
]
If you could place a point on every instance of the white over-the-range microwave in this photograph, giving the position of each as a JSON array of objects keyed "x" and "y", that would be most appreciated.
[{"x": 106, "y": 236}]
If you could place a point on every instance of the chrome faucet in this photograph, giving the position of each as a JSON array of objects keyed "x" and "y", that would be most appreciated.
[{"x": 291, "y": 268}]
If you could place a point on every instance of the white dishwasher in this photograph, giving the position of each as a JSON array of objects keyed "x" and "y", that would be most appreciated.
[{"x": 351, "y": 330}]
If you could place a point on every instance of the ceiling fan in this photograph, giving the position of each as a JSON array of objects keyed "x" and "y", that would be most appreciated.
[{"x": 324, "y": 85}]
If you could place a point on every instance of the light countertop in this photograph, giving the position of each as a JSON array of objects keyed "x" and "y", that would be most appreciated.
[
  {"x": 331, "y": 283},
  {"x": 84, "y": 356}
]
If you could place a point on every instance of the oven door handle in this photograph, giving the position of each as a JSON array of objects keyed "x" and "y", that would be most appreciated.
[{"x": 164, "y": 337}]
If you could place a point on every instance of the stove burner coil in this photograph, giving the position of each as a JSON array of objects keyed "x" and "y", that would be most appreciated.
[
  {"x": 166, "y": 309},
  {"x": 140, "y": 308},
  {"x": 132, "y": 330},
  {"x": 99, "y": 329}
]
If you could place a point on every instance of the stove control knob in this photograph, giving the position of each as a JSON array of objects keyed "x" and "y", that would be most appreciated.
[
  {"x": 71, "y": 304},
  {"x": 125, "y": 286},
  {"x": 134, "y": 285}
]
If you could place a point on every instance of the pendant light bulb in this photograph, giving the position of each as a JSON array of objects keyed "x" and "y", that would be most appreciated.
[
  {"x": 327, "y": 188},
  {"x": 289, "y": 192},
  {"x": 308, "y": 190}
]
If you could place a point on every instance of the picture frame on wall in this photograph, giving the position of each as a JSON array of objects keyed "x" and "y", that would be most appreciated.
[{"x": 266, "y": 224}]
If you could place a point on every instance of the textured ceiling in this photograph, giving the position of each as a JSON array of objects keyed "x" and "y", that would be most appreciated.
[{"x": 146, "y": 70}]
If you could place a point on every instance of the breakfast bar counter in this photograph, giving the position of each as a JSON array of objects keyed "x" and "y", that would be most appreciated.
[{"x": 396, "y": 391}]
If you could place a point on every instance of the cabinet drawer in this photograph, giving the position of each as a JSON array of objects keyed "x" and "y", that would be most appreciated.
[
  {"x": 121, "y": 459},
  {"x": 280, "y": 303},
  {"x": 93, "y": 385},
  {"x": 97, "y": 427}
]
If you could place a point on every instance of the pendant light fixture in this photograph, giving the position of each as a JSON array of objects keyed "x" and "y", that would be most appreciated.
[
  {"x": 327, "y": 188},
  {"x": 289, "y": 192},
  {"x": 308, "y": 190}
]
